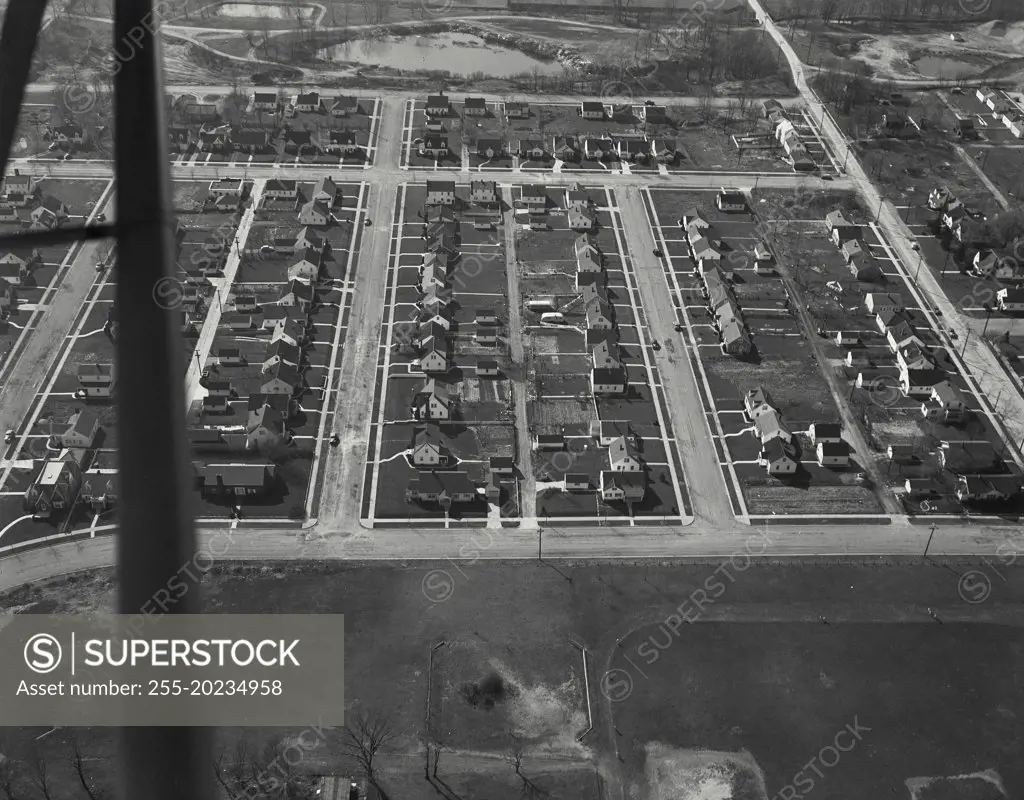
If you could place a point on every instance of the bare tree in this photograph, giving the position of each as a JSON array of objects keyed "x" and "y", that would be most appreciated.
[
  {"x": 78, "y": 761},
  {"x": 363, "y": 739},
  {"x": 10, "y": 785},
  {"x": 38, "y": 773}
]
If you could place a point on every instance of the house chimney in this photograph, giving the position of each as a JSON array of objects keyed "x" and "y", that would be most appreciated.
[{"x": 17, "y": 172}]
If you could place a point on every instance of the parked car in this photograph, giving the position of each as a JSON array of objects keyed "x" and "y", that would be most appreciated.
[
  {"x": 9, "y": 436},
  {"x": 656, "y": 344},
  {"x": 680, "y": 328},
  {"x": 657, "y": 252}
]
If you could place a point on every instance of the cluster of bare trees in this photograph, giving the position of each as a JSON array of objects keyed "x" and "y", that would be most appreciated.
[
  {"x": 885, "y": 11},
  {"x": 30, "y": 776}
]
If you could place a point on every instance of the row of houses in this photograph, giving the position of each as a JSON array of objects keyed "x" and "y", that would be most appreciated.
[
  {"x": 238, "y": 139},
  {"x": 440, "y": 105},
  {"x": 785, "y": 133},
  {"x": 922, "y": 370},
  {"x": 848, "y": 237},
  {"x": 716, "y": 286},
  {"x": 778, "y": 449},
  {"x": 633, "y": 148},
  {"x": 21, "y": 202}
]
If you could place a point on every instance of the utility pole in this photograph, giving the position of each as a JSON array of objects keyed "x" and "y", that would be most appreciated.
[{"x": 929, "y": 542}]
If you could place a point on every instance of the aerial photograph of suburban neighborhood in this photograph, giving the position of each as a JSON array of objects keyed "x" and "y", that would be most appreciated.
[{"x": 545, "y": 341}]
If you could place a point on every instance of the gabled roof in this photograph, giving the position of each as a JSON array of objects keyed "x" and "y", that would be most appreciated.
[{"x": 286, "y": 372}]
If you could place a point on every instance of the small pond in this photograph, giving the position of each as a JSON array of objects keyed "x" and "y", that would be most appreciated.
[
  {"x": 945, "y": 68},
  {"x": 458, "y": 53}
]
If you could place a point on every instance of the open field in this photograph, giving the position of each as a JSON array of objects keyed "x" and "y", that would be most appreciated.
[{"x": 754, "y": 663}]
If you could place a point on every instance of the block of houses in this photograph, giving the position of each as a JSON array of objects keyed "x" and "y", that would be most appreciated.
[
  {"x": 432, "y": 401},
  {"x": 314, "y": 212},
  {"x": 623, "y": 486},
  {"x": 731, "y": 199},
  {"x": 946, "y": 404},
  {"x": 833, "y": 454},
  {"x": 592, "y": 109},
  {"x": 901, "y": 333},
  {"x": 475, "y": 107},
  {"x": 1010, "y": 300},
  {"x": 565, "y": 148},
  {"x": 445, "y": 488},
  {"x": 608, "y": 381},
  {"x": 71, "y": 133},
  {"x": 487, "y": 368},
  {"x": 440, "y": 193},
  {"x": 623, "y": 455},
  {"x": 598, "y": 149},
  {"x": 97, "y": 379},
  {"x": 777, "y": 457},
  {"x": 438, "y": 105},
  {"x": 236, "y": 480}
]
